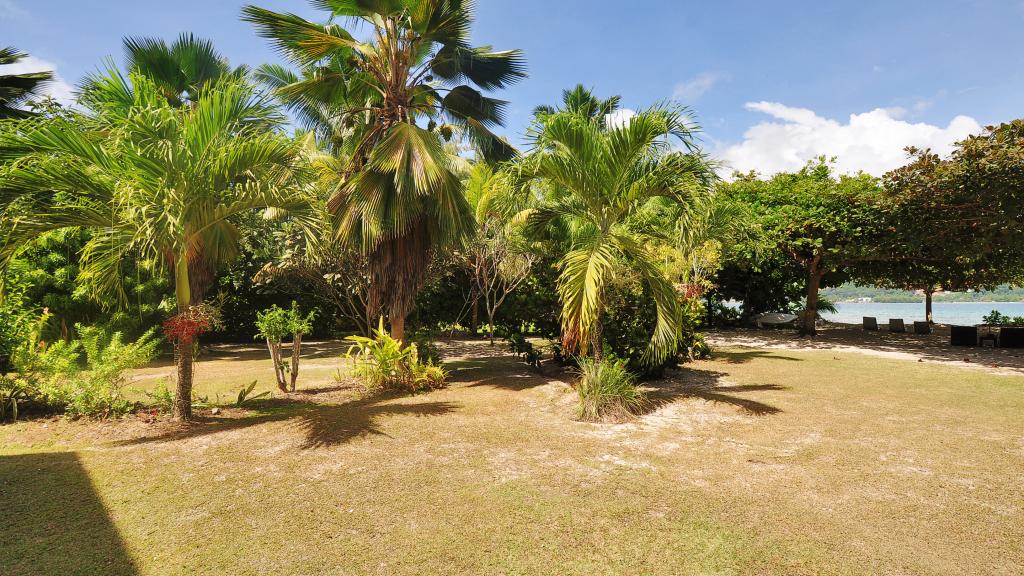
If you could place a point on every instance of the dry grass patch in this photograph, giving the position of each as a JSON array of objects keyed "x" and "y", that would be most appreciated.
[{"x": 757, "y": 462}]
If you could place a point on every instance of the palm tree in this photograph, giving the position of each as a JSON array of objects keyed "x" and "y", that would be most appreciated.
[
  {"x": 152, "y": 181},
  {"x": 180, "y": 69},
  {"x": 389, "y": 101},
  {"x": 16, "y": 89},
  {"x": 581, "y": 101},
  {"x": 610, "y": 188}
]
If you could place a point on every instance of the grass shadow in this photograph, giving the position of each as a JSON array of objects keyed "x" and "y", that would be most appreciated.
[
  {"x": 54, "y": 521},
  {"x": 744, "y": 356},
  {"x": 323, "y": 425},
  {"x": 708, "y": 385}
]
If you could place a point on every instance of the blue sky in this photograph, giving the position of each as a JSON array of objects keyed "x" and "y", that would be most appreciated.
[{"x": 773, "y": 83}]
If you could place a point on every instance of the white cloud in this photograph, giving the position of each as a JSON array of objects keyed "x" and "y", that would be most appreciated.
[
  {"x": 693, "y": 89},
  {"x": 620, "y": 117},
  {"x": 872, "y": 141},
  {"x": 11, "y": 11},
  {"x": 58, "y": 88}
]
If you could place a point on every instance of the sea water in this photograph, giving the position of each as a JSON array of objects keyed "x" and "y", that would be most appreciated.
[{"x": 960, "y": 313}]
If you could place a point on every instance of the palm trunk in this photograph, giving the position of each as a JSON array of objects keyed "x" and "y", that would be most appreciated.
[
  {"x": 183, "y": 397},
  {"x": 296, "y": 346},
  {"x": 597, "y": 342},
  {"x": 183, "y": 348},
  {"x": 814, "y": 276},
  {"x": 398, "y": 327}
]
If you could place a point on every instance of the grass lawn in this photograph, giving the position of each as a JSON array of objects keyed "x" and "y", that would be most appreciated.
[{"x": 756, "y": 462}]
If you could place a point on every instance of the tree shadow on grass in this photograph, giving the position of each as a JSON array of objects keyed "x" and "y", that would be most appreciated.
[
  {"x": 708, "y": 385},
  {"x": 741, "y": 357},
  {"x": 503, "y": 371},
  {"x": 53, "y": 521},
  {"x": 323, "y": 425}
]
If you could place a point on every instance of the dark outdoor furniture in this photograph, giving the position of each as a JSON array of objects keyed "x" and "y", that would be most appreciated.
[
  {"x": 922, "y": 328},
  {"x": 897, "y": 325},
  {"x": 870, "y": 323},
  {"x": 1011, "y": 337},
  {"x": 963, "y": 335}
]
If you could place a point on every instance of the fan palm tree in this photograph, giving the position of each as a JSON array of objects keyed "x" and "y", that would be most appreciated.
[
  {"x": 581, "y": 101},
  {"x": 611, "y": 188},
  {"x": 390, "y": 101},
  {"x": 16, "y": 89},
  {"x": 180, "y": 69},
  {"x": 151, "y": 180}
]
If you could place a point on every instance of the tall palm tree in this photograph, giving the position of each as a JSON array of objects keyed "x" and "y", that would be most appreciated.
[
  {"x": 151, "y": 180},
  {"x": 390, "y": 100},
  {"x": 180, "y": 70},
  {"x": 16, "y": 89},
  {"x": 611, "y": 189}
]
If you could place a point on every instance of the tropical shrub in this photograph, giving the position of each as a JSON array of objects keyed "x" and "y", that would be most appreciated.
[
  {"x": 607, "y": 391},
  {"x": 383, "y": 363},
  {"x": 997, "y": 318},
  {"x": 52, "y": 375},
  {"x": 97, "y": 391}
]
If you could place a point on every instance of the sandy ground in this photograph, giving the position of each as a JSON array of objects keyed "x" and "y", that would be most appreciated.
[{"x": 933, "y": 347}]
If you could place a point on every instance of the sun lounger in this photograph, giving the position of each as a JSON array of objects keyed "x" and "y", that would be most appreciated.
[
  {"x": 870, "y": 323},
  {"x": 1011, "y": 337},
  {"x": 922, "y": 328},
  {"x": 963, "y": 335},
  {"x": 897, "y": 325}
]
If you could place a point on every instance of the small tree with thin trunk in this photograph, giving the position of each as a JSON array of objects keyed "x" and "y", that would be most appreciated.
[{"x": 274, "y": 325}]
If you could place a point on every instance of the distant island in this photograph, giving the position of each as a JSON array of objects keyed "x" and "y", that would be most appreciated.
[{"x": 854, "y": 293}]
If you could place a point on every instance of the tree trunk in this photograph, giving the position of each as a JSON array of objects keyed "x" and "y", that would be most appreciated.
[
  {"x": 183, "y": 348},
  {"x": 296, "y": 347},
  {"x": 928, "y": 304},
  {"x": 398, "y": 328},
  {"x": 474, "y": 320},
  {"x": 275, "y": 358},
  {"x": 183, "y": 397},
  {"x": 807, "y": 323}
]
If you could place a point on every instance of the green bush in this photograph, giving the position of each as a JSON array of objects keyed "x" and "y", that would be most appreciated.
[
  {"x": 997, "y": 318},
  {"x": 97, "y": 390},
  {"x": 52, "y": 375},
  {"x": 607, "y": 391},
  {"x": 384, "y": 364}
]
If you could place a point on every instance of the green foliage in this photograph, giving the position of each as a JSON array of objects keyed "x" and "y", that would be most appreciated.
[
  {"x": 52, "y": 374},
  {"x": 245, "y": 394},
  {"x": 97, "y": 391},
  {"x": 607, "y": 391},
  {"x": 12, "y": 391},
  {"x": 519, "y": 345},
  {"x": 383, "y": 363},
  {"x": 18, "y": 89},
  {"x": 15, "y": 315},
  {"x": 612, "y": 192},
  {"x": 823, "y": 223},
  {"x": 274, "y": 324},
  {"x": 997, "y": 318},
  {"x": 162, "y": 398}
]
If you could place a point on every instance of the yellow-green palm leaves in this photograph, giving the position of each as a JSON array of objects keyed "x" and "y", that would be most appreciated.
[
  {"x": 604, "y": 184},
  {"x": 150, "y": 179}
]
